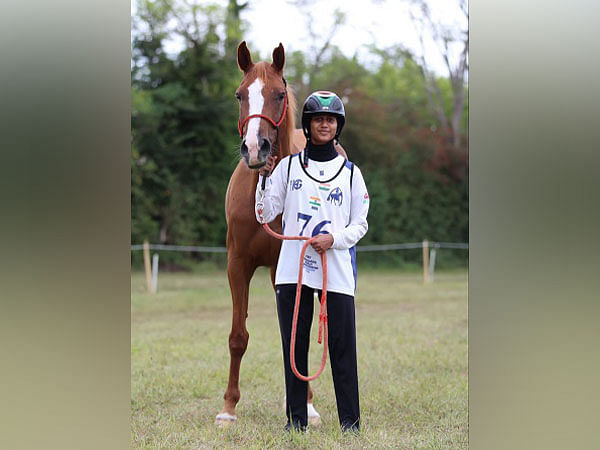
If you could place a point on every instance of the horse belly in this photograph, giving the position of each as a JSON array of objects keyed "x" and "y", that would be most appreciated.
[{"x": 265, "y": 247}]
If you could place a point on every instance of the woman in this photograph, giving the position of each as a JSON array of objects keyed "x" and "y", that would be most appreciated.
[{"x": 320, "y": 194}]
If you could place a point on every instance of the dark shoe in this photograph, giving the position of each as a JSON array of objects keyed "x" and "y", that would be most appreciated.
[
  {"x": 297, "y": 427},
  {"x": 350, "y": 429}
]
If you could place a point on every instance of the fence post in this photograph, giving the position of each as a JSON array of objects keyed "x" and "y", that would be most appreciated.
[
  {"x": 146, "y": 248},
  {"x": 155, "y": 273},
  {"x": 432, "y": 261},
  {"x": 425, "y": 261}
]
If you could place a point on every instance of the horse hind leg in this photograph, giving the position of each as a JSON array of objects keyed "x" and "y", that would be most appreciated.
[
  {"x": 239, "y": 273},
  {"x": 314, "y": 418}
]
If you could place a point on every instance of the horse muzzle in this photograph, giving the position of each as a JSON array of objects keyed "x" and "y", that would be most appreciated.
[{"x": 256, "y": 155}]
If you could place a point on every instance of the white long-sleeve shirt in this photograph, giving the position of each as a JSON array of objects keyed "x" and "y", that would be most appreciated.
[{"x": 325, "y": 197}]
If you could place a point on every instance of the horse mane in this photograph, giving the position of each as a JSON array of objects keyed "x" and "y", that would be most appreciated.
[
  {"x": 289, "y": 124},
  {"x": 260, "y": 70}
]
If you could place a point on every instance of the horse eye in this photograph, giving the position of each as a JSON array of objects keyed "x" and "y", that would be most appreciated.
[
  {"x": 238, "y": 96},
  {"x": 281, "y": 96}
]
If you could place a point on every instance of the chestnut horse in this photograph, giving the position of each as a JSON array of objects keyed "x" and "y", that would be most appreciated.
[{"x": 266, "y": 126}]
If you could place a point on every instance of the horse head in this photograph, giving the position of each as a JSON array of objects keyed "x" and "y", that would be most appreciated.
[{"x": 265, "y": 107}]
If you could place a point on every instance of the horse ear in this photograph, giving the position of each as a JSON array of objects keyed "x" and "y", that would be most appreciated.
[
  {"x": 244, "y": 58},
  {"x": 278, "y": 58}
]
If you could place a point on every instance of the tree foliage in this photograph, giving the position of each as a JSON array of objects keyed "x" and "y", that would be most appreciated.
[{"x": 185, "y": 143}]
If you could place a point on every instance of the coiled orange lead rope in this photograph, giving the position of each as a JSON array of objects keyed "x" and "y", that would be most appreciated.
[{"x": 323, "y": 312}]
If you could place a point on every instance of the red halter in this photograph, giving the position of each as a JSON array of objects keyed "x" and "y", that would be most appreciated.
[{"x": 276, "y": 125}]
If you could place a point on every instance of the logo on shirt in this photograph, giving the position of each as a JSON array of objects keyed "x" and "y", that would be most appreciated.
[
  {"x": 366, "y": 198},
  {"x": 310, "y": 264},
  {"x": 336, "y": 197},
  {"x": 296, "y": 184},
  {"x": 324, "y": 187}
]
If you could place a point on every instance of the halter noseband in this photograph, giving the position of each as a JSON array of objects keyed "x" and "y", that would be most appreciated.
[{"x": 271, "y": 121}]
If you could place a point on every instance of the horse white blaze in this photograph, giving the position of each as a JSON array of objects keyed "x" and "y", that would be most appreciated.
[{"x": 256, "y": 100}]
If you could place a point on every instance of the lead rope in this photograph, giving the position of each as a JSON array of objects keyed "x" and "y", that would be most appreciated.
[{"x": 323, "y": 313}]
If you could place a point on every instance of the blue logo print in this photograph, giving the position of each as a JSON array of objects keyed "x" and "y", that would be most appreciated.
[
  {"x": 296, "y": 184},
  {"x": 335, "y": 196}
]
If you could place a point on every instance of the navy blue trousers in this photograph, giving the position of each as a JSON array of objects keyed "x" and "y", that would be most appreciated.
[{"x": 342, "y": 352}]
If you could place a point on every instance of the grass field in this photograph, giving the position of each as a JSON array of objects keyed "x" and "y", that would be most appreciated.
[{"x": 412, "y": 365}]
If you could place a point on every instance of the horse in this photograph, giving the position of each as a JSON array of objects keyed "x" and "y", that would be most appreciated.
[{"x": 267, "y": 127}]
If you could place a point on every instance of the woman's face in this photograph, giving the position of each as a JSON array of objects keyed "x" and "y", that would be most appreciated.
[{"x": 322, "y": 129}]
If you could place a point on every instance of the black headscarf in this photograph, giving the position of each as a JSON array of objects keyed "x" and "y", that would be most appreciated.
[{"x": 324, "y": 152}]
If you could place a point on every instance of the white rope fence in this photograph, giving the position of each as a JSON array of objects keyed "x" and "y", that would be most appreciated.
[
  {"x": 181, "y": 248},
  {"x": 429, "y": 254},
  {"x": 359, "y": 248}
]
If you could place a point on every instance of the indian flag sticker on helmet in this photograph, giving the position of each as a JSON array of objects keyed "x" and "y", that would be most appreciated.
[{"x": 325, "y": 98}]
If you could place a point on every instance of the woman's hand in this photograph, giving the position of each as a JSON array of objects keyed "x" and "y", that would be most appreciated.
[
  {"x": 322, "y": 243},
  {"x": 268, "y": 167}
]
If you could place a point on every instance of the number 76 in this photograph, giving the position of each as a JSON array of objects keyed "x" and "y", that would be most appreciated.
[{"x": 317, "y": 229}]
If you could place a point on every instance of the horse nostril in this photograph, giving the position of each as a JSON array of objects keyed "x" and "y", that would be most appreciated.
[
  {"x": 244, "y": 148},
  {"x": 265, "y": 145}
]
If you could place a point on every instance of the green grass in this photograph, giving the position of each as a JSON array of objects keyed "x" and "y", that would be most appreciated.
[{"x": 412, "y": 365}]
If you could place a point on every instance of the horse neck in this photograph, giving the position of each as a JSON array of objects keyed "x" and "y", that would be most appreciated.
[{"x": 284, "y": 140}]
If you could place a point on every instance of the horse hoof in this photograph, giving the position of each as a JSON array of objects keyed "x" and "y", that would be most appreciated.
[
  {"x": 225, "y": 419},
  {"x": 314, "y": 418}
]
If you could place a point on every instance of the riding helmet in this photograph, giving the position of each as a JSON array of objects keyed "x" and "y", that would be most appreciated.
[{"x": 323, "y": 102}]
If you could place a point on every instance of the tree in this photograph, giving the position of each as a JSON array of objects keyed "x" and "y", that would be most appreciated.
[
  {"x": 445, "y": 37},
  {"x": 185, "y": 143},
  {"x": 319, "y": 49},
  {"x": 183, "y": 125}
]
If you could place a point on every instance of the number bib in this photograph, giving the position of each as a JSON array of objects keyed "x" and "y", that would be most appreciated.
[{"x": 317, "y": 201}]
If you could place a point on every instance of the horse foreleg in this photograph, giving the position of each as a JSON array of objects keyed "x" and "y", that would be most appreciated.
[
  {"x": 239, "y": 273},
  {"x": 314, "y": 418}
]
